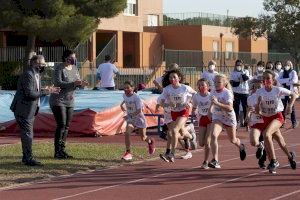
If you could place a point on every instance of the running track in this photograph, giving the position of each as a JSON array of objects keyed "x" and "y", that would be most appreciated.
[{"x": 180, "y": 180}]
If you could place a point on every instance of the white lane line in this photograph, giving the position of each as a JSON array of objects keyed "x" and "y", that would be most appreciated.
[{"x": 286, "y": 195}]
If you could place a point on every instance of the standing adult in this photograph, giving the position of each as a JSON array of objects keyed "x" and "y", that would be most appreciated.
[
  {"x": 210, "y": 74},
  {"x": 106, "y": 72},
  {"x": 239, "y": 81},
  {"x": 288, "y": 79},
  {"x": 26, "y": 103},
  {"x": 66, "y": 77}
]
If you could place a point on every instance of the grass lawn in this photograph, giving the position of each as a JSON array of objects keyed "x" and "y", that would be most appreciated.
[{"x": 86, "y": 157}]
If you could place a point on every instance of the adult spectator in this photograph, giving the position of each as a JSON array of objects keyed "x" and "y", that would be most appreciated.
[
  {"x": 210, "y": 74},
  {"x": 26, "y": 103},
  {"x": 106, "y": 73}
]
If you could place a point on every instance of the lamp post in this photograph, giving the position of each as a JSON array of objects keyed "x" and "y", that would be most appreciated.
[{"x": 221, "y": 49}]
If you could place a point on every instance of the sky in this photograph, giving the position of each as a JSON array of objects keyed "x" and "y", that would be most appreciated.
[{"x": 238, "y": 8}]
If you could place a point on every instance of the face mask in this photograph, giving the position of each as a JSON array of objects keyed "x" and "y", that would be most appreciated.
[
  {"x": 287, "y": 68},
  {"x": 268, "y": 82},
  {"x": 72, "y": 61},
  {"x": 211, "y": 67},
  {"x": 203, "y": 89},
  {"x": 239, "y": 68},
  {"x": 174, "y": 82},
  {"x": 278, "y": 67}
]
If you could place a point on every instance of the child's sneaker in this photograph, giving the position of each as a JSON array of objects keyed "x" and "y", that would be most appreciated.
[
  {"x": 242, "y": 152},
  {"x": 164, "y": 157},
  {"x": 260, "y": 150},
  {"x": 127, "y": 156},
  {"x": 188, "y": 155},
  {"x": 151, "y": 147},
  {"x": 204, "y": 165},
  {"x": 292, "y": 160},
  {"x": 214, "y": 164},
  {"x": 171, "y": 157}
]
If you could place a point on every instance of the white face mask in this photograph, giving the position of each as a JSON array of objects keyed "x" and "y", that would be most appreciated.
[
  {"x": 278, "y": 67},
  {"x": 211, "y": 67},
  {"x": 239, "y": 68},
  {"x": 287, "y": 68},
  {"x": 260, "y": 69}
]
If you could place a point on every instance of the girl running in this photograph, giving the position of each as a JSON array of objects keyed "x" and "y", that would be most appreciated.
[
  {"x": 202, "y": 103},
  {"x": 223, "y": 115},
  {"x": 270, "y": 106},
  {"x": 179, "y": 96},
  {"x": 134, "y": 118}
]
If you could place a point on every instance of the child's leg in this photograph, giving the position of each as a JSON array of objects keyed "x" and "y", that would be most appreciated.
[
  {"x": 254, "y": 137},
  {"x": 272, "y": 128},
  {"x": 207, "y": 140},
  {"x": 169, "y": 136},
  {"x": 280, "y": 140},
  {"x": 231, "y": 133},
  {"x": 129, "y": 130},
  {"x": 143, "y": 134},
  {"x": 179, "y": 124},
  {"x": 216, "y": 130},
  {"x": 202, "y": 135}
]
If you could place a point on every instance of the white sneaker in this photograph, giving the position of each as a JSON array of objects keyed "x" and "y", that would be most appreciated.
[
  {"x": 191, "y": 130},
  {"x": 188, "y": 155},
  {"x": 127, "y": 156}
]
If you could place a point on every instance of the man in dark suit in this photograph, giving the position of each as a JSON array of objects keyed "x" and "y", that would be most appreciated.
[{"x": 26, "y": 102}]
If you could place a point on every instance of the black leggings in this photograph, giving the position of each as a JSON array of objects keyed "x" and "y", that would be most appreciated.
[
  {"x": 240, "y": 98},
  {"x": 63, "y": 116}
]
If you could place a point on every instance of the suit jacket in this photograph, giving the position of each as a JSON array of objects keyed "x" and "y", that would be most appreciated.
[{"x": 25, "y": 102}]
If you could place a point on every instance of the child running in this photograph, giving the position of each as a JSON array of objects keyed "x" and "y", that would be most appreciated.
[
  {"x": 223, "y": 115},
  {"x": 179, "y": 96},
  {"x": 270, "y": 106},
  {"x": 134, "y": 118},
  {"x": 202, "y": 102}
]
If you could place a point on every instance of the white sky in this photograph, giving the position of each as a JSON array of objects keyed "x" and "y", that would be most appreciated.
[{"x": 239, "y": 8}]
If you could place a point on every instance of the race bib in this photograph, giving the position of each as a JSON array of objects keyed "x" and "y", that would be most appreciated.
[
  {"x": 269, "y": 105},
  {"x": 131, "y": 108},
  {"x": 177, "y": 100},
  {"x": 203, "y": 108}
]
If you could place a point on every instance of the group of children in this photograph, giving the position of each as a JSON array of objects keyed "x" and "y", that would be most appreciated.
[{"x": 212, "y": 104}]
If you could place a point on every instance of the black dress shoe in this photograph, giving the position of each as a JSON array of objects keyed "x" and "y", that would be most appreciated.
[{"x": 33, "y": 162}]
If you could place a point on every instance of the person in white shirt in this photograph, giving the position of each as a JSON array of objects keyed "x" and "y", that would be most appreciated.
[
  {"x": 260, "y": 68},
  {"x": 270, "y": 106},
  {"x": 278, "y": 70},
  {"x": 288, "y": 79},
  {"x": 135, "y": 118},
  {"x": 106, "y": 73},
  {"x": 201, "y": 104},
  {"x": 210, "y": 74},
  {"x": 223, "y": 115},
  {"x": 239, "y": 81},
  {"x": 179, "y": 96}
]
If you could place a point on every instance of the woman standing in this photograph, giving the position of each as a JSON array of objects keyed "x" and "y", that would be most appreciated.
[
  {"x": 66, "y": 77},
  {"x": 210, "y": 74}
]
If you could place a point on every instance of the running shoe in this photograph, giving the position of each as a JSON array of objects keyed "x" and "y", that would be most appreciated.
[
  {"x": 242, "y": 152},
  {"x": 214, "y": 164},
  {"x": 292, "y": 160},
  {"x": 151, "y": 147},
  {"x": 164, "y": 157},
  {"x": 260, "y": 150},
  {"x": 127, "y": 156},
  {"x": 261, "y": 164},
  {"x": 204, "y": 165},
  {"x": 171, "y": 157},
  {"x": 188, "y": 155},
  {"x": 274, "y": 164}
]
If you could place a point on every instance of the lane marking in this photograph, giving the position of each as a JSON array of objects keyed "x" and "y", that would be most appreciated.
[{"x": 286, "y": 195}]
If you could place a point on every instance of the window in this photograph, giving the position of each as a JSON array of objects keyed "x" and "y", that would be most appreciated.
[
  {"x": 228, "y": 50},
  {"x": 131, "y": 9},
  {"x": 152, "y": 20},
  {"x": 215, "y": 49}
]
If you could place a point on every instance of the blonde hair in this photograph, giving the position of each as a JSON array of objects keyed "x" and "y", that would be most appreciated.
[{"x": 227, "y": 84}]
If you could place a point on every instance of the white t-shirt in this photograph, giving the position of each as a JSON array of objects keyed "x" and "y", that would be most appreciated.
[
  {"x": 107, "y": 71},
  {"x": 178, "y": 96},
  {"x": 271, "y": 103},
  {"x": 202, "y": 103},
  {"x": 254, "y": 118},
  {"x": 167, "y": 110},
  {"x": 227, "y": 118},
  {"x": 133, "y": 103},
  {"x": 211, "y": 78},
  {"x": 236, "y": 76}
]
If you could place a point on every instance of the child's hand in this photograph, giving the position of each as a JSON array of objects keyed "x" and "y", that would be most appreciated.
[{"x": 215, "y": 100}]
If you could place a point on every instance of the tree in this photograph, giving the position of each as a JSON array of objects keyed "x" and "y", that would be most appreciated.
[
  {"x": 280, "y": 24},
  {"x": 72, "y": 21}
]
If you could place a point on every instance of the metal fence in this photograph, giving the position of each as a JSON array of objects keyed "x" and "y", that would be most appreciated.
[
  {"x": 109, "y": 49},
  {"x": 81, "y": 51}
]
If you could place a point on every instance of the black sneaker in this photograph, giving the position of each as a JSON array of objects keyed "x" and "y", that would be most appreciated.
[
  {"x": 260, "y": 150},
  {"x": 242, "y": 152},
  {"x": 164, "y": 157},
  {"x": 292, "y": 160},
  {"x": 274, "y": 164},
  {"x": 214, "y": 164},
  {"x": 171, "y": 157},
  {"x": 33, "y": 162}
]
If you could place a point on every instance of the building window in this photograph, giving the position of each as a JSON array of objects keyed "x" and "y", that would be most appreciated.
[
  {"x": 215, "y": 50},
  {"x": 131, "y": 9},
  {"x": 228, "y": 50},
  {"x": 152, "y": 20}
]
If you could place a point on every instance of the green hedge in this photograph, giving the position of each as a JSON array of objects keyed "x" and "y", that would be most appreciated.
[{"x": 9, "y": 73}]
